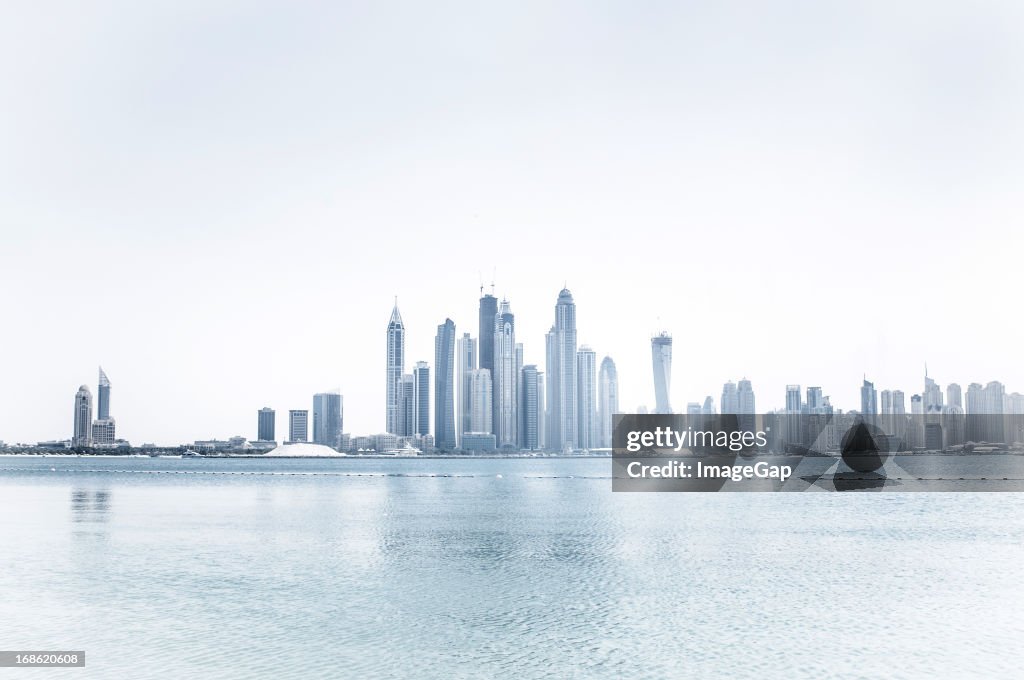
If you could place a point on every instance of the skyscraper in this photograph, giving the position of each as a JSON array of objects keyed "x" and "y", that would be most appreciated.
[
  {"x": 561, "y": 372},
  {"x": 266, "y": 424},
  {"x": 480, "y": 400},
  {"x": 550, "y": 362},
  {"x": 954, "y": 396},
  {"x": 886, "y": 402},
  {"x": 407, "y": 405},
  {"x": 103, "y": 428},
  {"x": 793, "y": 403},
  {"x": 915, "y": 428},
  {"x": 899, "y": 404},
  {"x": 396, "y": 365},
  {"x": 586, "y": 393},
  {"x": 607, "y": 401},
  {"x": 815, "y": 400},
  {"x": 708, "y": 409},
  {"x": 505, "y": 378},
  {"x": 421, "y": 397},
  {"x": 488, "y": 310},
  {"x": 83, "y": 418},
  {"x": 994, "y": 398},
  {"x": 730, "y": 399},
  {"x": 529, "y": 413},
  {"x": 467, "y": 355},
  {"x": 298, "y": 425},
  {"x": 975, "y": 405},
  {"x": 661, "y": 354},
  {"x": 103, "y": 397},
  {"x": 327, "y": 419},
  {"x": 868, "y": 401},
  {"x": 444, "y": 386},
  {"x": 932, "y": 395},
  {"x": 745, "y": 405}
]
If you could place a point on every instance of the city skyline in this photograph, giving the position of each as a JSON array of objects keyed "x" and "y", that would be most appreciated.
[
  {"x": 590, "y": 428},
  {"x": 761, "y": 197}
]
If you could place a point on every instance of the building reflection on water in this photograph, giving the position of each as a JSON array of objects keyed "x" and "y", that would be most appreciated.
[{"x": 90, "y": 506}]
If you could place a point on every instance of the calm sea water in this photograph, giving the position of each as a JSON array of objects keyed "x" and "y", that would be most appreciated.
[{"x": 494, "y": 568}]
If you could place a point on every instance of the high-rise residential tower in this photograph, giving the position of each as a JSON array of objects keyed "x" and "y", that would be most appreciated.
[
  {"x": 954, "y": 397},
  {"x": 607, "y": 402},
  {"x": 886, "y": 403},
  {"x": 395, "y": 368},
  {"x": 327, "y": 419},
  {"x": 529, "y": 413},
  {"x": 815, "y": 400},
  {"x": 298, "y": 425},
  {"x": 480, "y": 401},
  {"x": 899, "y": 403},
  {"x": 505, "y": 378},
  {"x": 265, "y": 426},
  {"x": 561, "y": 375},
  {"x": 83, "y": 417},
  {"x": 444, "y": 386},
  {"x": 488, "y": 310},
  {"x": 542, "y": 423},
  {"x": 586, "y": 394},
  {"x": 793, "y": 403},
  {"x": 466, "y": 352},
  {"x": 407, "y": 406},
  {"x": 421, "y": 398},
  {"x": 661, "y": 355},
  {"x": 730, "y": 400}
]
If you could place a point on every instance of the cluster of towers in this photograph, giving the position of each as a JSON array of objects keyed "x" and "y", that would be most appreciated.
[
  {"x": 502, "y": 402},
  {"x": 327, "y": 422},
  {"x": 98, "y": 433}
]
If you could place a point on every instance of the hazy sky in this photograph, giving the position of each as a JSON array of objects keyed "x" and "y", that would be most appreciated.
[{"x": 218, "y": 201}]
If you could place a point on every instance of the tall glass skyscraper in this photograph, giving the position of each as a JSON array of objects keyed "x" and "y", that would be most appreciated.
[
  {"x": 607, "y": 402},
  {"x": 868, "y": 401},
  {"x": 467, "y": 354},
  {"x": 529, "y": 403},
  {"x": 396, "y": 364},
  {"x": 730, "y": 400},
  {"x": 586, "y": 393},
  {"x": 103, "y": 397},
  {"x": 407, "y": 405},
  {"x": 561, "y": 372},
  {"x": 421, "y": 387},
  {"x": 793, "y": 403},
  {"x": 327, "y": 419},
  {"x": 103, "y": 428},
  {"x": 505, "y": 378},
  {"x": 266, "y": 424},
  {"x": 932, "y": 395},
  {"x": 488, "y": 310},
  {"x": 444, "y": 386},
  {"x": 661, "y": 355}
]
